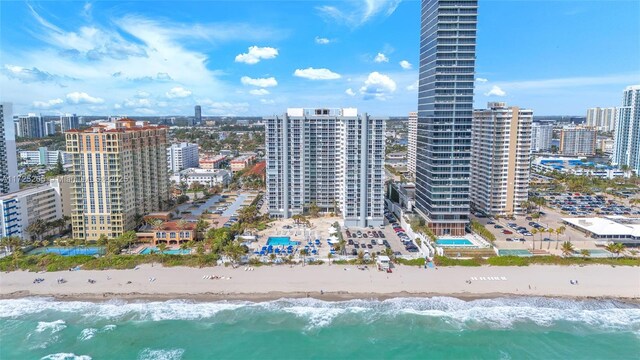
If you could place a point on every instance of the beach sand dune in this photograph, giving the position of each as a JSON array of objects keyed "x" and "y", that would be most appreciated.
[{"x": 327, "y": 281}]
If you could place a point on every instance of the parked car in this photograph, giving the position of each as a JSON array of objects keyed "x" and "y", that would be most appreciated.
[
  {"x": 507, "y": 232},
  {"x": 498, "y": 226},
  {"x": 354, "y": 252}
]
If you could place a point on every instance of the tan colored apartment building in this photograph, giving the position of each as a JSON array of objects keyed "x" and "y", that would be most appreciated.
[
  {"x": 500, "y": 155},
  {"x": 120, "y": 172}
]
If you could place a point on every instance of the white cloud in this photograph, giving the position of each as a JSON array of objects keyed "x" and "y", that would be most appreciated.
[
  {"x": 256, "y": 54},
  {"x": 322, "y": 41},
  {"x": 86, "y": 11},
  {"x": 378, "y": 86},
  {"x": 137, "y": 103},
  {"x": 82, "y": 98},
  {"x": 350, "y": 92},
  {"x": 413, "y": 87},
  {"x": 481, "y": 80},
  {"x": 223, "y": 107},
  {"x": 405, "y": 64},
  {"x": 142, "y": 94},
  {"x": 358, "y": 13},
  {"x": 178, "y": 92},
  {"x": 50, "y": 104},
  {"x": 495, "y": 91},
  {"x": 381, "y": 58},
  {"x": 29, "y": 75},
  {"x": 316, "y": 74},
  {"x": 259, "y": 92},
  {"x": 267, "y": 101},
  {"x": 259, "y": 82}
]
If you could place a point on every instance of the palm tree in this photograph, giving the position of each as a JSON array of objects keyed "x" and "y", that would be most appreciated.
[
  {"x": 184, "y": 246},
  {"x": 534, "y": 232},
  {"x": 615, "y": 248},
  {"x": 329, "y": 256},
  {"x": 200, "y": 252},
  {"x": 102, "y": 240},
  {"x": 304, "y": 253},
  {"x": 15, "y": 243},
  {"x": 37, "y": 228},
  {"x": 585, "y": 253},
  {"x": 559, "y": 231},
  {"x": 550, "y": 231},
  {"x": 567, "y": 248}
]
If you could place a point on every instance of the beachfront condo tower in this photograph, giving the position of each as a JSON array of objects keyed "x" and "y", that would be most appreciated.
[
  {"x": 119, "y": 173},
  {"x": 8, "y": 155},
  {"x": 500, "y": 156},
  {"x": 333, "y": 158},
  {"x": 627, "y": 133},
  {"x": 412, "y": 137},
  {"x": 445, "y": 113}
]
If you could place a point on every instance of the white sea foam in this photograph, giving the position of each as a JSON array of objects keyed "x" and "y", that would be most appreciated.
[
  {"x": 160, "y": 354},
  {"x": 109, "y": 327},
  {"x": 87, "y": 334},
  {"x": 493, "y": 313},
  {"x": 66, "y": 356},
  {"x": 54, "y": 326}
]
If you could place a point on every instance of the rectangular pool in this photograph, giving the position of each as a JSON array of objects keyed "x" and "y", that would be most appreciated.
[
  {"x": 281, "y": 240},
  {"x": 148, "y": 250},
  {"x": 454, "y": 242},
  {"x": 514, "y": 252},
  {"x": 68, "y": 251}
]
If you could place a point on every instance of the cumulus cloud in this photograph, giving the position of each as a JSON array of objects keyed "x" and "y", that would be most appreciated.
[
  {"x": 495, "y": 91},
  {"x": 82, "y": 98},
  {"x": 405, "y": 64},
  {"x": 381, "y": 58},
  {"x": 259, "y": 92},
  {"x": 482, "y": 80},
  {"x": 322, "y": 41},
  {"x": 377, "y": 86},
  {"x": 316, "y": 74},
  {"x": 350, "y": 92},
  {"x": 255, "y": 54},
  {"x": 137, "y": 103},
  {"x": 259, "y": 82},
  {"x": 29, "y": 75},
  {"x": 413, "y": 86},
  {"x": 178, "y": 92},
  {"x": 50, "y": 104}
]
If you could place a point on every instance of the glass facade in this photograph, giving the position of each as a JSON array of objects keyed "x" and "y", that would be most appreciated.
[{"x": 445, "y": 113}]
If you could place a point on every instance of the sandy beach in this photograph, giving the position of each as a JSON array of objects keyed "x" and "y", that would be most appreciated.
[{"x": 330, "y": 282}]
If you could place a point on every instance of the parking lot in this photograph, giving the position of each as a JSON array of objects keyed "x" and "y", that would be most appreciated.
[
  {"x": 577, "y": 204},
  {"x": 377, "y": 240}
]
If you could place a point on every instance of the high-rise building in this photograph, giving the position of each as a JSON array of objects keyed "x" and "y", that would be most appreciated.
[
  {"x": 198, "y": 115},
  {"x": 445, "y": 113},
  {"x": 333, "y": 158},
  {"x": 120, "y": 172},
  {"x": 21, "y": 208},
  {"x": 32, "y": 126},
  {"x": 627, "y": 133},
  {"x": 68, "y": 122},
  {"x": 412, "y": 137},
  {"x": 8, "y": 155},
  {"x": 578, "y": 141},
  {"x": 501, "y": 151},
  {"x": 50, "y": 128},
  {"x": 602, "y": 119},
  {"x": 541, "y": 137},
  {"x": 182, "y": 156}
]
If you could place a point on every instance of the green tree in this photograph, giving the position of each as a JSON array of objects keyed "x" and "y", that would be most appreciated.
[
  {"x": 314, "y": 210},
  {"x": 38, "y": 228},
  {"x": 585, "y": 253},
  {"x": 162, "y": 247},
  {"x": 559, "y": 231},
  {"x": 567, "y": 248}
]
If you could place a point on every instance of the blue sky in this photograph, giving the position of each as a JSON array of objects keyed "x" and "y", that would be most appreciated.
[{"x": 258, "y": 58}]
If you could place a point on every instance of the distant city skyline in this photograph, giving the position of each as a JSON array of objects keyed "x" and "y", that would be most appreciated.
[{"x": 254, "y": 59}]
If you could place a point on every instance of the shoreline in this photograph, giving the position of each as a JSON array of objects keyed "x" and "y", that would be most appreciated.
[
  {"x": 274, "y": 296},
  {"x": 328, "y": 283}
]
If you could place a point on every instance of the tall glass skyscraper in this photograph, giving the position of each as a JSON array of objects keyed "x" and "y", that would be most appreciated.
[{"x": 445, "y": 113}]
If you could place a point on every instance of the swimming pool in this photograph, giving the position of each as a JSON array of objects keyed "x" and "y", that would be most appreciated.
[
  {"x": 515, "y": 252},
  {"x": 148, "y": 250},
  {"x": 596, "y": 253},
  {"x": 281, "y": 240},
  {"x": 68, "y": 251},
  {"x": 454, "y": 242}
]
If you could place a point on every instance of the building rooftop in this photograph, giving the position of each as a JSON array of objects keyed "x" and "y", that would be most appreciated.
[
  {"x": 25, "y": 192},
  {"x": 122, "y": 125},
  {"x": 610, "y": 225}
]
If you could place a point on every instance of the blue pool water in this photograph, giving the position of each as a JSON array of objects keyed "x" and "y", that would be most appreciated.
[
  {"x": 148, "y": 250},
  {"x": 281, "y": 240},
  {"x": 454, "y": 242},
  {"x": 68, "y": 251},
  {"x": 515, "y": 252}
]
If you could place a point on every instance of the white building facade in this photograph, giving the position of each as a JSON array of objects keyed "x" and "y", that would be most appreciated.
[
  {"x": 182, "y": 156},
  {"x": 627, "y": 134},
  {"x": 578, "y": 140},
  {"x": 541, "y": 136},
  {"x": 43, "y": 156},
  {"x": 205, "y": 177},
  {"x": 412, "y": 137},
  {"x": 22, "y": 208},
  {"x": 333, "y": 158},
  {"x": 31, "y": 126},
  {"x": 8, "y": 156},
  {"x": 603, "y": 119},
  {"x": 501, "y": 143}
]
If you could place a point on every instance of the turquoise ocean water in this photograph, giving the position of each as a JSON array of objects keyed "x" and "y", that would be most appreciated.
[{"x": 403, "y": 328}]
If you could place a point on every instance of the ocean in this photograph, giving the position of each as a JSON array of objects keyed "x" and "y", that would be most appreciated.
[{"x": 401, "y": 328}]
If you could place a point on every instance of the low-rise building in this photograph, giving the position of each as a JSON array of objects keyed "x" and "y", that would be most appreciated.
[
  {"x": 241, "y": 162},
  {"x": 609, "y": 228},
  {"x": 212, "y": 162},
  {"x": 20, "y": 209},
  {"x": 174, "y": 233},
  {"x": 206, "y": 177},
  {"x": 577, "y": 166},
  {"x": 182, "y": 156},
  {"x": 43, "y": 156}
]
